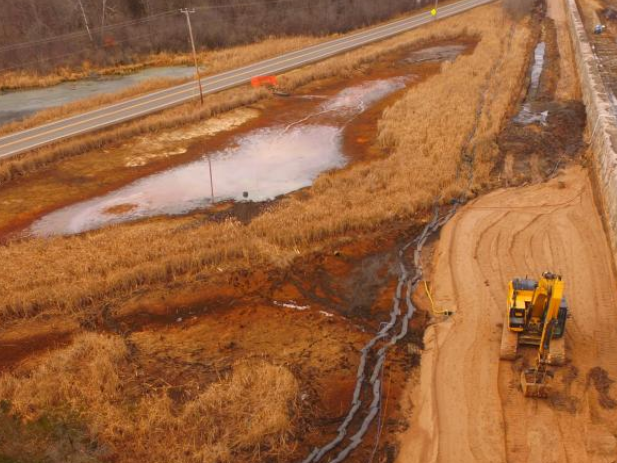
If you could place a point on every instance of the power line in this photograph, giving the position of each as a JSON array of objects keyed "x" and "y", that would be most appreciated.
[
  {"x": 145, "y": 20},
  {"x": 67, "y": 55},
  {"x": 83, "y": 12},
  {"x": 83, "y": 34}
]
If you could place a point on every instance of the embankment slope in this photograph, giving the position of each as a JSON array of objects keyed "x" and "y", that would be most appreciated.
[{"x": 469, "y": 405}]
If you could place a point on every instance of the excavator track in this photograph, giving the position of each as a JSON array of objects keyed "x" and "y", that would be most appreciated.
[
  {"x": 557, "y": 352},
  {"x": 509, "y": 344}
]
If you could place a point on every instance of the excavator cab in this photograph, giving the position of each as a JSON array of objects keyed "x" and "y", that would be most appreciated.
[{"x": 536, "y": 315}]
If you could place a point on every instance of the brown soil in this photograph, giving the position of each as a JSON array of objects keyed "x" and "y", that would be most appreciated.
[
  {"x": 469, "y": 404},
  {"x": 344, "y": 294},
  {"x": 535, "y": 152},
  {"x": 602, "y": 383},
  {"x": 568, "y": 85}
]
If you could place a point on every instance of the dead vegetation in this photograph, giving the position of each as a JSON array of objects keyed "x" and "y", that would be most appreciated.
[
  {"x": 453, "y": 137},
  {"x": 214, "y": 62},
  {"x": 87, "y": 387},
  {"x": 42, "y": 36},
  {"x": 92, "y": 395},
  {"x": 518, "y": 9}
]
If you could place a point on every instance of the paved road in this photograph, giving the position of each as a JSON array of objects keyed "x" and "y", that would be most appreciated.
[{"x": 20, "y": 142}]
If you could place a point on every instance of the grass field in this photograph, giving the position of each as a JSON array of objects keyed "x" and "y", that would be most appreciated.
[{"x": 424, "y": 164}]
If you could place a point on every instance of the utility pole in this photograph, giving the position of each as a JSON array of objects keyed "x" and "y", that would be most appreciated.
[
  {"x": 103, "y": 15},
  {"x": 83, "y": 12},
  {"x": 148, "y": 14},
  {"x": 211, "y": 180},
  {"x": 103, "y": 22},
  {"x": 187, "y": 12}
]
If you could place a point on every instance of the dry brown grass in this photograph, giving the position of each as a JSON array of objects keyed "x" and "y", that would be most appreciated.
[
  {"x": 250, "y": 413},
  {"x": 428, "y": 134},
  {"x": 214, "y": 61}
]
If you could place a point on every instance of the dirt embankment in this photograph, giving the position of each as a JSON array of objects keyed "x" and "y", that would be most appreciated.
[
  {"x": 469, "y": 405},
  {"x": 548, "y": 130}
]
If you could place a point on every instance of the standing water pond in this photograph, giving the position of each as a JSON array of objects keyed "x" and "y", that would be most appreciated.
[{"x": 260, "y": 164}]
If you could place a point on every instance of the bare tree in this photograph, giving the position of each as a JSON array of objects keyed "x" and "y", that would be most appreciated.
[{"x": 37, "y": 34}]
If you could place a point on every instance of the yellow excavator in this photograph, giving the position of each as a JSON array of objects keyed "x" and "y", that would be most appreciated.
[{"x": 536, "y": 316}]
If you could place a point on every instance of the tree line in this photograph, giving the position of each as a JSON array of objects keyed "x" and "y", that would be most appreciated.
[{"x": 42, "y": 34}]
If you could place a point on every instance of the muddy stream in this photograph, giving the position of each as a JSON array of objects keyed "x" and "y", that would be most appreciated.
[
  {"x": 531, "y": 113},
  {"x": 318, "y": 132}
]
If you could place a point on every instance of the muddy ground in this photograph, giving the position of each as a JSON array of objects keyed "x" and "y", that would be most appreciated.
[
  {"x": 531, "y": 152},
  {"x": 314, "y": 319}
]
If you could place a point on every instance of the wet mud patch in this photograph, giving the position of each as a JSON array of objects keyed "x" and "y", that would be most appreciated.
[
  {"x": 535, "y": 151},
  {"x": 120, "y": 209},
  {"x": 562, "y": 398},
  {"x": 545, "y": 134},
  {"x": 13, "y": 352},
  {"x": 600, "y": 380}
]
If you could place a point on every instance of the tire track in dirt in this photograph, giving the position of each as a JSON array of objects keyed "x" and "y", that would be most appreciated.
[{"x": 468, "y": 405}]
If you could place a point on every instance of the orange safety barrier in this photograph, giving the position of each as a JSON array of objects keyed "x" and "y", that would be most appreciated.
[{"x": 260, "y": 81}]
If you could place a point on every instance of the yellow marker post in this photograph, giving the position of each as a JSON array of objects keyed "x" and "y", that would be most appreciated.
[{"x": 434, "y": 12}]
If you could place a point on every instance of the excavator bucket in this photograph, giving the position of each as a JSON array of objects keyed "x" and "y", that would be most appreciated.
[{"x": 534, "y": 383}]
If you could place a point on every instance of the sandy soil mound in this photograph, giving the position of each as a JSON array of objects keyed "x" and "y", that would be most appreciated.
[{"x": 469, "y": 407}]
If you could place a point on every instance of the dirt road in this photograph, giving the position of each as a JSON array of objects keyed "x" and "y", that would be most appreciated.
[
  {"x": 468, "y": 406},
  {"x": 567, "y": 88}
]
